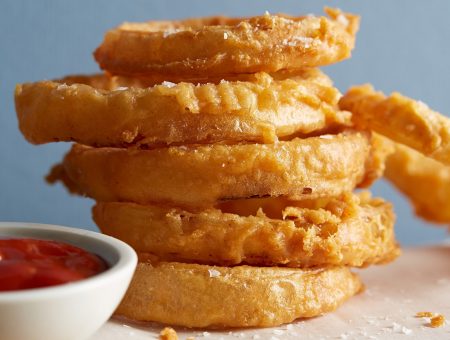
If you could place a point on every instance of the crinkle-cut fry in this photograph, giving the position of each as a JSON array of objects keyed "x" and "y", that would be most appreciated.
[
  {"x": 221, "y": 46},
  {"x": 200, "y": 176},
  {"x": 423, "y": 180},
  {"x": 345, "y": 231},
  {"x": 194, "y": 295},
  {"x": 401, "y": 119},
  {"x": 116, "y": 111}
]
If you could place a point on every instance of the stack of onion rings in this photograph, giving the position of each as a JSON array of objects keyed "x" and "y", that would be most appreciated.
[{"x": 218, "y": 150}]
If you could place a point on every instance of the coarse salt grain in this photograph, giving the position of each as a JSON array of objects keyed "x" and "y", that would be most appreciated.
[
  {"x": 406, "y": 331},
  {"x": 396, "y": 327},
  {"x": 169, "y": 32},
  {"x": 206, "y": 334},
  {"x": 213, "y": 273},
  {"x": 342, "y": 19},
  {"x": 225, "y": 35},
  {"x": 62, "y": 86},
  {"x": 168, "y": 84}
]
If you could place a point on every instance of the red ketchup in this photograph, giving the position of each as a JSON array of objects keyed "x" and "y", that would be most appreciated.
[{"x": 32, "y": 263}]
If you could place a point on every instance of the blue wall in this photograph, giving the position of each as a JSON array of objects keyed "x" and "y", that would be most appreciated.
[{"x": 402, "y": 45}]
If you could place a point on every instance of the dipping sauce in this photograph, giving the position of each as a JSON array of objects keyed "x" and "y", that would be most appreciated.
[{"x": 32, "y": 263}]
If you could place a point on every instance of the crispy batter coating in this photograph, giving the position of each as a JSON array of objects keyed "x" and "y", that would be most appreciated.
[
  {"x": 104, "y": 111},
  {"x": 200, "y": 176},
  {"x": 424, "y": 181},
  {"x": 401, "y": 119},
  {"x": 220, "y": 46},
  {"x": 349, "y": 230},
  {"x": 195, "y": 295}
]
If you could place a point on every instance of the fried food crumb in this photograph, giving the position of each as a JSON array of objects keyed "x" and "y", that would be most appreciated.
[
  {"x": 168, "y": 334},
  {"x": 424, "y": 315},
  {"x": 436, "y": 320}
]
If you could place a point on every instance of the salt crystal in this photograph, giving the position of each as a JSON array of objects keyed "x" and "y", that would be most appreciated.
[
  {"x": 169, "y": 32},
  {"x": 266, "y": 13},
  {"x": 62, "y": 86},
  {"x": 396, "y": 327},
  {"x": 278, "y": 332},
  {"x": 121, "y": 88},
  {"x": 342, "y": 19},
  {"x": 213, "y": 273},
  {"x": 206, "y": 334},
  {"x": 326, "y": 137},
  {"x": 305, "y": 40},
  {"x": 168, "y": 84},
  {"x": 406, "y": 331},
  {"x": 422, "y": 105},
  {"x": 225, "y": 35}
]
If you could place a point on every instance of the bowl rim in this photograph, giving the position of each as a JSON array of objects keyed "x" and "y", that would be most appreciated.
[{"x": 127, "y": 259}]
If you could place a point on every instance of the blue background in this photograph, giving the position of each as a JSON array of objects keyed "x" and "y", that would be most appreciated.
[{"x": 402, "y": 45}]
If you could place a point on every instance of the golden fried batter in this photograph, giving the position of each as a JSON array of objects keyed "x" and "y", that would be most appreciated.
[
  {"x": 195, "y": 295},
  {"x": 424, "y": 181},
  {"x": 200, "y": 176},
  {"x": 348, "y": 230},
  {"x": 220, "y": 46},
  {"x": 104, "y": 111},
  {"x": 401, "y": 119}
]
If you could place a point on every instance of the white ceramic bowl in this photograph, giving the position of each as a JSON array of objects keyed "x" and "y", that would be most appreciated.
[{"x": 69, "y": 311}]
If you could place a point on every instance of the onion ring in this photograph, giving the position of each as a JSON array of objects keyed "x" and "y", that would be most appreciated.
[
  {"x": 200, "y": 176},
  {"x": 100, "y": 111},
  {"x": 195, "y": 295},
  {"x": 431, "y": 189},
  {"x": 342, "y": 231},
  {"x": 401, "y": 119},
  {"x": 222, "y": 46}
]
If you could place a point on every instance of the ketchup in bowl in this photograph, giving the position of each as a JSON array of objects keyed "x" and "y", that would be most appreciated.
[{"x": 32, "y": 263}]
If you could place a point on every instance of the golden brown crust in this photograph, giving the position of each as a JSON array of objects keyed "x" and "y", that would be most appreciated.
[
  {"x": 424, "y": 181},
  {"x": 100, "y": 111},
  {"x": 401, "y": 119},
  {"x": 195, "y": 295},
  {"x": 168, "y": 333},
  {"x": 343, "y": 231},
  {"x": 200, "y": 176},
  {"x": 223, "y": 46}
]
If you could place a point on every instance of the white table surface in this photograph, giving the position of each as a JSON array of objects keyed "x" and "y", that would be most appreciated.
[{"x": 418, "y": 281}]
